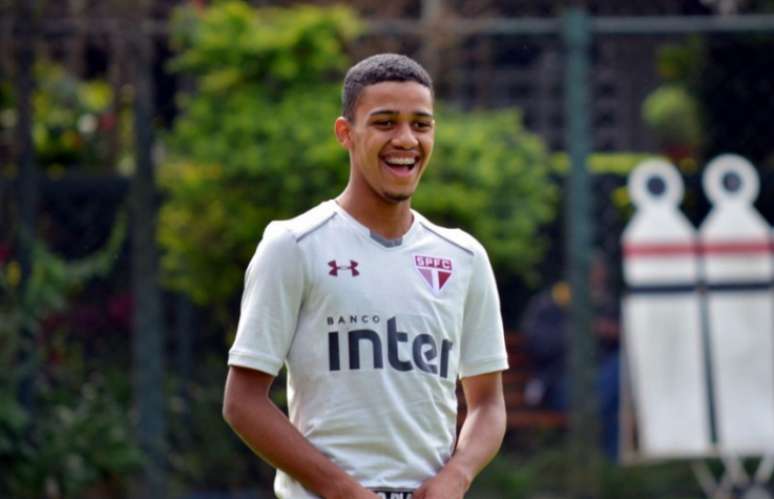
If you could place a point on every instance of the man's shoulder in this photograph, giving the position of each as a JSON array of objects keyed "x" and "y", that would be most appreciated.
[
  {"x": 454, "y": 236},
  {"x": 304, "y": 224}
]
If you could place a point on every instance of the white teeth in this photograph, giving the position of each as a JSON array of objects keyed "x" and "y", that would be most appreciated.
[{"x": 401, "y": 161}]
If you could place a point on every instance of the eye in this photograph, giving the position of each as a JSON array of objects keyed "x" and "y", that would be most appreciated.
[
  {"x": 383, "y": 123},
  {"x": 423, "y": 125}
]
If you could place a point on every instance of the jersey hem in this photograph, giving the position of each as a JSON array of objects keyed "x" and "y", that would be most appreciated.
[
  {"x": 488, "y": 366},
  {"x": 253, "y": 361}
]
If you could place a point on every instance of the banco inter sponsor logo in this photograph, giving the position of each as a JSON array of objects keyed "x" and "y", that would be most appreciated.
[{"x": 426, "y": 354}]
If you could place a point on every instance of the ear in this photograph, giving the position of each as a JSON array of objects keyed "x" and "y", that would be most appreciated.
[{"x": 343, "y": 129}]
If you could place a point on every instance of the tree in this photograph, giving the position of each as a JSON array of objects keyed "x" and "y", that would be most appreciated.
[
  {"x": 72, "y": 434},
  {"x": 255, "y": 143}
]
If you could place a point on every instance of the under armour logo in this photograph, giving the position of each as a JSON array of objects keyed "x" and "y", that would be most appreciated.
[{"x": 352, "y": 267}]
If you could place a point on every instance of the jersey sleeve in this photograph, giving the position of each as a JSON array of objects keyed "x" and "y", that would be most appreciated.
[
  {"x": 271, "y": 300},
  {"x": 483, "y": 341}
]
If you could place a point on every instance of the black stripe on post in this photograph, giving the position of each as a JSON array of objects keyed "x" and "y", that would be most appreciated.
[
  {"x": 739, "y": 287},
  {"x": 680, "y": 288},
  {"x": 663, "y": 289}
]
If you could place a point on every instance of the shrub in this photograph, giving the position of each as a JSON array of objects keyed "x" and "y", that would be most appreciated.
[{"x": 255, "y": 143}]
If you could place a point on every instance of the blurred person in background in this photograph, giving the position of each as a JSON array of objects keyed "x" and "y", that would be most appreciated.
[
  {"x": 544, "y": 325},
  {"x": 376, "y": 312}
]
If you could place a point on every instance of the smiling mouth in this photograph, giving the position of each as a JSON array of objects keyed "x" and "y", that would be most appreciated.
[{"x": 401, "y": 166}]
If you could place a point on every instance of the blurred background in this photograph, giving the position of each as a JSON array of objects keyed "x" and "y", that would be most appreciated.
[{"x": 145, "y": 144}]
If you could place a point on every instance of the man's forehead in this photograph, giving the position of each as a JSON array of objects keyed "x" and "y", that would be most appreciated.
[
  {"x": 395, "y": 97},
  {"x": 391, "y": 111}
]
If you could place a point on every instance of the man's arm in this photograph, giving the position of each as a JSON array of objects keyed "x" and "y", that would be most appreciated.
[
  {"x": 267, "y": 431},
  {"x": 480, "y": 438}
]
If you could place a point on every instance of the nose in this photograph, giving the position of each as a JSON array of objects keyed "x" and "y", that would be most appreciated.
[{"x": 404, "y": 137}]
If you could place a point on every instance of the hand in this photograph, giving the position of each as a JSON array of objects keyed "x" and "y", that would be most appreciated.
[
  {"x": 448, "y": 484},
  {"x": 352, "y": 490}
]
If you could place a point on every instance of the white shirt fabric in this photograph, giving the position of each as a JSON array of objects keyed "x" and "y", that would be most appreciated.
[{"x": 374, "y": 334}]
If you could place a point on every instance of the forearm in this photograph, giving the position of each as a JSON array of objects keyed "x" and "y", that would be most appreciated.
[
  {"x": 480, "y": 438},
  {"x": 268, "y": 432},
  {"x": 280, "y": 444}
]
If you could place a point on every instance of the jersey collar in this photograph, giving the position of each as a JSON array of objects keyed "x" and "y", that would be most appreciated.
[{"x": 373, "y": 236}]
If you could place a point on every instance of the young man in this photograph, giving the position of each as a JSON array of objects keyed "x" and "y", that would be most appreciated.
[{"x": 376, "y": 313}]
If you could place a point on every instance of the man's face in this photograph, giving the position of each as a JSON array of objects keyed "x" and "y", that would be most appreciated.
[{"x": 390, "y": 139}]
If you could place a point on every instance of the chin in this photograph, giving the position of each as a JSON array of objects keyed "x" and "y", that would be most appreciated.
[{"x": 396, "y": 197}]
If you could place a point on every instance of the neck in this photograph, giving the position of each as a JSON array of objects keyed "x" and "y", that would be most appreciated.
[{"x": 389, "y": 220}]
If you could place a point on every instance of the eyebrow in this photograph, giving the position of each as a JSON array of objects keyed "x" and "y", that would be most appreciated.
[{"x": 375, "y": 112}]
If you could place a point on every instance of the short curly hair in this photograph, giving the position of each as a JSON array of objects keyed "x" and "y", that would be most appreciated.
[{"x": 376, "y": 69}]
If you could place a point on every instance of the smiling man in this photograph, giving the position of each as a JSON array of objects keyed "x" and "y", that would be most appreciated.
[{"x": 376, "y": 313}]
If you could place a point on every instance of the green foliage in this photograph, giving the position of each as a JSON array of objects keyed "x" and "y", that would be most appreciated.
[
  {"x": 73, "y": 122},
  {"x": 729, "y": 85},
  {"x": 674, "y": 111},
  {"x": 673, "y": 114},
  {"x": 53, "y": 279},
  {"x": 616, "y": 164},
  {"x": 255, "y": 143},
  {"x": 490, "y": 176},
  {"x": 544, "y": 475},
  {"x": 602, "y": 163},
  {"x": 80, "y": 439},
  {"x": 205, "y": 453},
  {"x": 232, "y": 45},
  {"x": 682, "y": 63},
  {"x": 7, "y": 116},
  {"x": 74, "y": 434}
]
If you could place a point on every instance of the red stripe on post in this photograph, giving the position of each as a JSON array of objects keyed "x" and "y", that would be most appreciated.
[
  {"x": 747, "y": 247},
  {"x": 660, "y": 249}
]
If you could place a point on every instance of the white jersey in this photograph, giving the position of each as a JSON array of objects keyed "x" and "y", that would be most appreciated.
[{"x": 374, "y": 334}]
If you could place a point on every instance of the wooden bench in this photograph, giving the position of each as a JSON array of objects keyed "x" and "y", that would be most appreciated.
[{"x": 521, "y": 416}]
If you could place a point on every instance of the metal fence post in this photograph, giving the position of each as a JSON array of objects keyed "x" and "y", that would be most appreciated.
[
  {"x": 27, "y": 193},
  {"x": 148, "y": 324},
  {"x": 27, "y": 183},
  {"x": 583, "y": 432}
]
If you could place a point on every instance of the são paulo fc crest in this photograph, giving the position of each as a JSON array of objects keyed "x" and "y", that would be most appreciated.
[{"x": 434, "y": 270}]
